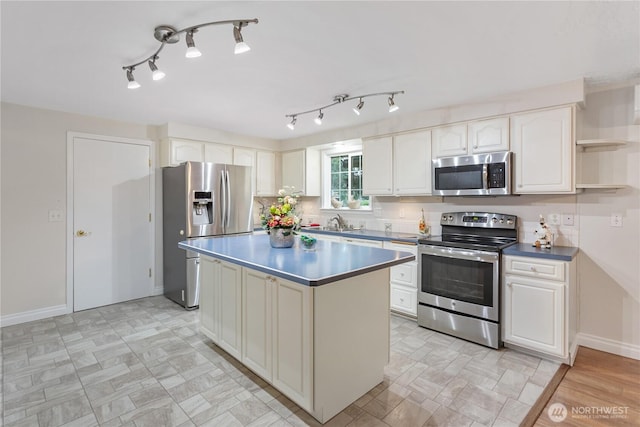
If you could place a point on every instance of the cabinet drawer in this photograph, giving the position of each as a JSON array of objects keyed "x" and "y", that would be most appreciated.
[
  {"x": 404, "y": 299},
  {"x": 403, "y": 247},
  {"x": 405, "y": 274},
  {"x": 362, "y": 242},
  {"x": 536, "y": 267}
]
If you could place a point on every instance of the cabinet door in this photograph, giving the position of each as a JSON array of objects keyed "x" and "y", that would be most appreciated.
[
  {"x": 230, "y": 308},
  {"x": 486, "y": 136},
  {"x": 293, "y": 170},
  {"x": 412, "y": 163},
  {"x": 377, "y": 172},
  {"x": 534, "y": 314},
  {"x": 256, "y": 322},
  {"x": 218, "y": 153},
  {"x": 450, "y": 140},
  {"x": 265, "y": 173},
  {"x": 542, "y": 143},
  {"x": 186, "y": 151},
  {"x": 292, "y": 341},
  {"x": 209, "y": 297},
  {"x": 246, "y": 157}
]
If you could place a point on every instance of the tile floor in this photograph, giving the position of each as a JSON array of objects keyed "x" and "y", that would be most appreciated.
[{"x": 144, "y": 363}]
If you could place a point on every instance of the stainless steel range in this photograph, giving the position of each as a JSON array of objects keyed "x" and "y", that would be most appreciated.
[{"x": 459, "y": 275}]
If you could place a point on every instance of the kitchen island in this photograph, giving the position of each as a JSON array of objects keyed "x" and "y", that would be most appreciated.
[{"x": 314, "y": 324}]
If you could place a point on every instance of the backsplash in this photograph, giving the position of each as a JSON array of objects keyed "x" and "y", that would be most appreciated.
[{"x": 403, "y": 213}]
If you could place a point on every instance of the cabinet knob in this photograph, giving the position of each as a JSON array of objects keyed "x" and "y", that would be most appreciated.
[
  {"x": 509, "y": 284},
  {"x": 533, "y": 269},
  {"x": 475, "y": 146}
]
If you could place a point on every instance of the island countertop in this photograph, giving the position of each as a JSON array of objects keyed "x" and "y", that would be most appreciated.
[{"x": 330, "y": 262}]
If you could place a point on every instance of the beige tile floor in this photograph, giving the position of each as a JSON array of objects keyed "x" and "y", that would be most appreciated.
[{"x": 144, "y": 363}]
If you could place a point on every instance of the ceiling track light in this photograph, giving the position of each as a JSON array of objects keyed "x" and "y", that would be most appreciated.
[
  {"x": 156, "y": 74},
  {"x": 339, "y": 99},
  {"x": 166, "y": 34}
]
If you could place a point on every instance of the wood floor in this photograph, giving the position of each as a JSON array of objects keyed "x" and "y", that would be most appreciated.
[{"x": 601, "y": 389}]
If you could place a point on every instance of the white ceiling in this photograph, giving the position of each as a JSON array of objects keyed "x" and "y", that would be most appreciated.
[{"x": 68, "y": 56}]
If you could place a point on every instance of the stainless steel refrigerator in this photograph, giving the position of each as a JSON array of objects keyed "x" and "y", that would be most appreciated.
[{"x": 200, "y": 200}]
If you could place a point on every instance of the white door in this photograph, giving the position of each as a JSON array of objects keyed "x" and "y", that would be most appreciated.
[{"x": 112, "y": 230}]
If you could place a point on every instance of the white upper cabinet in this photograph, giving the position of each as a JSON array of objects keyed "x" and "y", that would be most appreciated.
[
  {"x": 265, "y": 173},
  {"x": 246, "y": 157},
  {"x": 412, "y": 163},
  {"x": 377, "y": 171},
  {"x": 486, "y": 136},
  {"x": 301, "y": 170},
  {"x": 544, "y": 152},
  {"x": 480, "y": 136},
  {"x": 218, "y": 153},
  {"x": 450, "y": 140},
  {"x": 176, "y": 151}
]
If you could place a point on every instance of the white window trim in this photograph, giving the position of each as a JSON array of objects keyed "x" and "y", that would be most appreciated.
[{"x": 325, "y": 200}]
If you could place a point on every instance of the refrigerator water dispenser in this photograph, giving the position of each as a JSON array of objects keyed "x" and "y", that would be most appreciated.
[{"x": 202, "y": 209}]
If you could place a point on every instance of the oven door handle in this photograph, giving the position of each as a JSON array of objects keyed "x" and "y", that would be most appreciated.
[{"x": 460, "y": 253}]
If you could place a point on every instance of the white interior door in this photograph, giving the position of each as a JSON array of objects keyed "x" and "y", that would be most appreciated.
[{"x": 112, "y": 232}]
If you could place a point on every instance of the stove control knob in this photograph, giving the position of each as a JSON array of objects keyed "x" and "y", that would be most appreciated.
[
  {"x": 510, "y": 221},
  {"x": 444, "y": 218},
  {"x": 501, "y": 220},
  {"x": 450, "y": 217},
  {"x": 494, "y": 219}
]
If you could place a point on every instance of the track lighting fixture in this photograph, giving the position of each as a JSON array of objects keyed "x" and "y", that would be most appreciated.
[
  {"x": 339, "y": 99},
  {"x": 166, "y": 34},
  {"x": 133, "y": 84},
  {"x": 358, "y": 107},
  {"x": 392, "y": 105},
  {"x": 241, "y": 46},
  {"x": 192, "y": 50},
  {"x": 156, "y": 74}
]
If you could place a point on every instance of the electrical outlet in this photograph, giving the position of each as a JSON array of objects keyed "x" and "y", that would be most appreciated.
[
  {"x": 616, "y": 220},
  {"x": 567, "y": 219},
  {"x": 553, "y": 219},
  {"x": 55, "y": 215}
]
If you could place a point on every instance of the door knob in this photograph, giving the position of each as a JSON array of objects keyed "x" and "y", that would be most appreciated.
[{"x": 81, "y": 233}]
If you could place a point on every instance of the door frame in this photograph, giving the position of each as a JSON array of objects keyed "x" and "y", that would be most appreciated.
[{"x": 71, "y": 136}]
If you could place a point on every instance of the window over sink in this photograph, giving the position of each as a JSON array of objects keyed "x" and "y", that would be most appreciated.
[{"x": 343, "y": 178}]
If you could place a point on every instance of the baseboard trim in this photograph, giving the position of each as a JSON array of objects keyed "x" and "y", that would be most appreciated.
[
  {"x": 31, "y": 315},
  {"x": 610, "y": 346},
  {"x": 157, "y": 290}
]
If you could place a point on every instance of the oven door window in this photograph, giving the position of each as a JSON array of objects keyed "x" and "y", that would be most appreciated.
[{"x": 458, "y": 279}]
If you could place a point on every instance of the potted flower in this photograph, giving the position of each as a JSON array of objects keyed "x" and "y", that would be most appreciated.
[{"x": 281, "y": 222}]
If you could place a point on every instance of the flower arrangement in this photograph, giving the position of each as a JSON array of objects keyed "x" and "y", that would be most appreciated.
[{"x": 283, "y": 214}]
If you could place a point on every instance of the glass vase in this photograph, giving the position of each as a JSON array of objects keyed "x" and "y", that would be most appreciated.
[{"x": 281, "y": 237}]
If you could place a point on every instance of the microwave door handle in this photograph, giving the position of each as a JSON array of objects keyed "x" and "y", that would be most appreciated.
[{"x": 485, "y": 176}]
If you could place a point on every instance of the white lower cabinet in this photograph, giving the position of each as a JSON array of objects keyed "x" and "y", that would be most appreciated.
[
  {"x": 323, "y": 347},
  {"x": 539, "y": 306},
  {"x": 404, "y": 281}
]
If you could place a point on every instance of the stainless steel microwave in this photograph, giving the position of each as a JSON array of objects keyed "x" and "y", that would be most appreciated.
[{"x": 487, "y": 174}]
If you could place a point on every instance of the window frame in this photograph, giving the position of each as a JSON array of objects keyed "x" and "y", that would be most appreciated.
[{"x": 325, "y": 202}]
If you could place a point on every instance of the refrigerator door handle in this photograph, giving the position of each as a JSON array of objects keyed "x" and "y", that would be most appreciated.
[
  {"x": 223, "y": 204},
  {"x": 228, "y": 215}
]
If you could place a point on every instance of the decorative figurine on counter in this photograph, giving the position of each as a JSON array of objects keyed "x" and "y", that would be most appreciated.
[
  {"x": 543, "y": 235},
  {"x": 422, "y": 225}
]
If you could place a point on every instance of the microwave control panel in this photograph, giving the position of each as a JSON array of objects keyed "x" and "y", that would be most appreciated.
[{"x": 497, "y": 175}]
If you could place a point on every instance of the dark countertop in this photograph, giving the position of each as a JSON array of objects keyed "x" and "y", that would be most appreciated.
[
  {"x": 559, "y": 253},
  {"x": 330, "y": 262}
]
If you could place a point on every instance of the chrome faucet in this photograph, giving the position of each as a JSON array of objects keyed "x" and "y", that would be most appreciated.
[{"x": 342, "y": 223}]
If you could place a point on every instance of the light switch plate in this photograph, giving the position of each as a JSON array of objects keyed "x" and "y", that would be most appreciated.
[
  {"x": 616, "y": 220},
  {"x": 56, "y": 215},
  {"x": 567, "y": 219}
]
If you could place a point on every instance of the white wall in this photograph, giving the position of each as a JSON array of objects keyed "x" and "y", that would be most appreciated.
[
  {"x": 34, "y": 154},
  {"x": 609, "y": 258}
]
